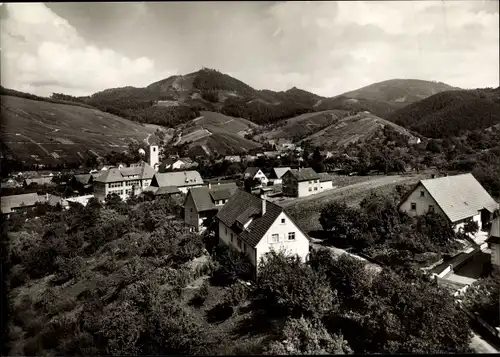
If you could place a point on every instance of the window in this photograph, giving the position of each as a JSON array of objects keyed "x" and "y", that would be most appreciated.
[
  {"x": 310, "y": 182},
  {"x": 275, "y": 238},
  {"x": 291, "y": 236},
  {"x": 413, "y": 206},
  {"x": 191, "y": 210},
  {"x": 239, "y": 243},
  {"x": 422, "y": 193},
  {"x": 315, "y": 189},
  {"x": 431, "y": 208},
  {"x": 310, "y": 189},
  {"x": 115, "y": 184},
  {"x": 282, "y": 221}
]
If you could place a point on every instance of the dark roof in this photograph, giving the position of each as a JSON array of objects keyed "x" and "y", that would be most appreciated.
[
  {"x": 252, "y": 171},
  {"x": 204, "y": 198},
  {"x": 241, "y": 207},
  {"x": 201, "y": 198},
  {"x": 167, "y": 190},
  {"x": 324, "y": 176},
  {"x": 83, "y": 179},
  {"x": 304, "y": 174}
]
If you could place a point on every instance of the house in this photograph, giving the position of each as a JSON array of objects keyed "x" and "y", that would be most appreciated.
[
  {"x": 10, "y": 183},
  {"x": 183, "y": 180},
  {"x": 177, "y": 164},
  {"x": 325, "y": 180},
  {"x": 287, "y": 146},
  {"x": 277, "y": 173},
  {"x": 256, "y": 174},
  {"x": 414, "y": 140},
  {"x": 301, "y": 182},
  {"x": 82, "y": 181},
  {"x": 460, "y": 198},
  {"x": 20, "y": 203},
  {"x": 250, "y": 158},
  {"x": 123, "y": 181},
  {"x": 205, "y": 201},
  {"x": 163, "y": 191},
  {"x": 494, "y": 243},
  {"x": 43, "y": 180},
  {"x": 235, "y": 158},
  {"x": 256, "y": 226},
  {"x": 272, "y": 154}
]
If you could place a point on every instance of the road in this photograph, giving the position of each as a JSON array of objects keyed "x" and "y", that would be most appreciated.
[{"x": 478, "y": 345}]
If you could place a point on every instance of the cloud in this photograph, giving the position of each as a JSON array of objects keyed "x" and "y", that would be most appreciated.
[
  {"x": 324, "y": 47},
  {"x": 42, "y": 53}
]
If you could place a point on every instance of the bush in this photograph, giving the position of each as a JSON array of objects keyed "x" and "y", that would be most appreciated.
[
  {"x": 231, "y": 265},
  {"x": 201, "y": 295},
  {"x": 220, "y": 312}
]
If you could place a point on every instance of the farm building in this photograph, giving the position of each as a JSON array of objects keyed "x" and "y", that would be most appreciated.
[
  {"x": 301, "y": 182},
  {"x": 205, "y": 201},
  {"x": 459, "y": 198},
  {"x": 183, "y": 180}
]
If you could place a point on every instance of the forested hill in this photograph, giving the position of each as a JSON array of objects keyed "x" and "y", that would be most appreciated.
[{"x": 451, "y": 113}]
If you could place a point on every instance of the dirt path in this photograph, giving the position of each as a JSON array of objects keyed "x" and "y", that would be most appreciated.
[{"x": 306, "y": 210}]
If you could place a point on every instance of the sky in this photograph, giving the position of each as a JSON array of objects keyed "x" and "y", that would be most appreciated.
[{"x": 324, "y": 47}]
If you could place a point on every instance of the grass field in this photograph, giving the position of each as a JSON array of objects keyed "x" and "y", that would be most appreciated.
[
  {"x": 305, "y": 124},
  {"x": 46, "y": 133},
  {"x": 306, "y": 210},
  {"x": 219, "y": 133},
  {"x": 359, "y": 127}
]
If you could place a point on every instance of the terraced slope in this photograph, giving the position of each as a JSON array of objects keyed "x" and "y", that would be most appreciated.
[{"x": 48, "y": 133}]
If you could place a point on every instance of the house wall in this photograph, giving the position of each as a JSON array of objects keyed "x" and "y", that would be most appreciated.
[
  {"x": 495, "y": 256},
  {"x": 290, "y": 185},
  {"x": 99, "y": 190},
  {"x": 307, "y": 188},
  {"x": 422, "y": 203},
  {"x": 299, "y": 246},
  {"x": 277, "y": 182},
  {"x": 326, "y": 185},
  {"x": 225, "y": 238},
  {"x": 191, "y": 216},
  {"x": 261, "y": 177}
]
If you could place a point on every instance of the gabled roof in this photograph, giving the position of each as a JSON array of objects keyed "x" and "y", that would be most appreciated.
[
  {"x": 39, "y": 180},
  {"x": 304, "y": 174},
  {"x": 279, "y": 171},
  {"x": 143, "y": 171},
  {"x": 201, "y": 198},
  {"x": 179, "y": 179},
  {"x": 204, "y": 198},
  {"x": 167, "y": 190},
  {"x": 83, "y": 179},
  {"x": 252, "y": 171},
  {"x": 459, "y": 196},
  {"x": 15, "y": 201},
  {"x": 324, "y": 176},
  {"x": 241, "y": 207}
]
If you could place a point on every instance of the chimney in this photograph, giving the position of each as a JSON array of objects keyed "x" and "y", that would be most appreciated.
[{"x": 263, "y": 206}]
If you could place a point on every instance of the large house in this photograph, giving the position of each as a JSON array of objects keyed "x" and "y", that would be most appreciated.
[
  {"x": 277, "y": 173},
  {"x": 301, "y": 182},
  {"x": 459, "y": 198},
  {"x": 205, "y": 201},
  {"x": 256, "y": 174},
  {"x": 182, "y": 180},
  {"x": 123, "y": 181},
  {"x": 20, "y": 203},
  {"x": 494, "y": 243},
  {"x": 256, "y": 226}
]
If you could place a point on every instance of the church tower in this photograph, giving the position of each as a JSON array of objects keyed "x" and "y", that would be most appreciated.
[{"x": 154, "y": 157}]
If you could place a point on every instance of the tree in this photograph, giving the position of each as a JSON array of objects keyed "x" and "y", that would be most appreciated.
[
  {"x": 303, "y": 337},
  {"x": 470, "y": 227},
  {"x": 344, "y": 221},
  {"x": 287, "y": 287}
]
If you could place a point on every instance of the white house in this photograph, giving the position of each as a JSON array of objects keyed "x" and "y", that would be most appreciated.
[
  {"x": 301, "y": 182},
  {"x": 494, "y": 243},
  {"x": 256, "y": 226},
  {"x": 460, "y": 198},
  {"x": 257, "y": 174},
  {"x": 182, "y": 180},
  {"x": 205, "y": 201},
  {"x": 123, "y": 181},
  {"x": 277, "y": 173},
  {"x": 325, "y": 181}
]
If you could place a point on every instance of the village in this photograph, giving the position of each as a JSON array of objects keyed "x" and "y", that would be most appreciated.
[{"x": 250, "y": 216}]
